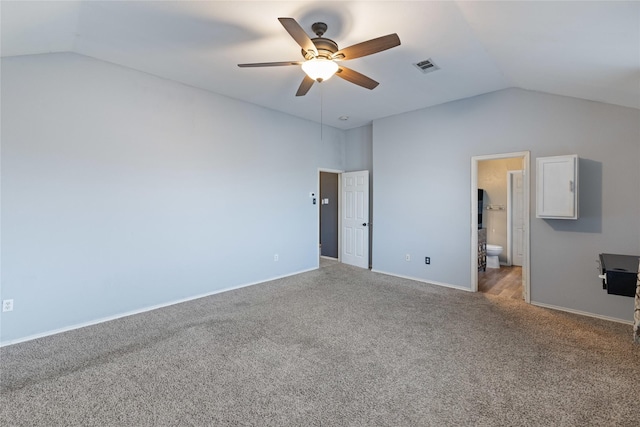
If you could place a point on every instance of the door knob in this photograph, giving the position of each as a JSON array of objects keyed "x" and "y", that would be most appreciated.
[{"x": 364, "y": 224}]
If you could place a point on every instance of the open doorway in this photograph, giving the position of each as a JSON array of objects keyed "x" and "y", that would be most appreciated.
[
  {"x": 500, "y": 224},
  {"x": 329, "y": 215},
  {"x": 343, "y": 217}
]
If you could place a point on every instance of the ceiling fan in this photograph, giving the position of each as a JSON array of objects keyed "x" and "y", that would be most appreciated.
[{"x": 321, "y": 54}]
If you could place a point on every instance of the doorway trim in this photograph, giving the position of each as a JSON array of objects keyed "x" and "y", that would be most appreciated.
[
  {"x": 319, "y": 204},
  {"x": 510, "y": 175},
  {"x": 526, "y": 167}
]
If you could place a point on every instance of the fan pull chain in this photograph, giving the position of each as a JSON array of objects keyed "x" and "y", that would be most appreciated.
[{"x": 321, "y": 107}]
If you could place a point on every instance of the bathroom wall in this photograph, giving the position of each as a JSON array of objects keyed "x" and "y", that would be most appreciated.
[{"x": 492, "y": 177}]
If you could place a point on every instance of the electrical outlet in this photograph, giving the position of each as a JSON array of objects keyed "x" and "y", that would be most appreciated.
[
  {"x": 7, "y": 305},
  {"x": 407, "y": 257},
  {"x": 276, "y": 257},
  {"x": 427, "y": 260}
]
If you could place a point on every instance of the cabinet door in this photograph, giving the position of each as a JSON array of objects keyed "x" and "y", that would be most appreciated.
[{"x": 557, "y": 187}]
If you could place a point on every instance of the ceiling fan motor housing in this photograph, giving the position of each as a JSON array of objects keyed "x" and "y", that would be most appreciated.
[{"x": 325, "y": 47}]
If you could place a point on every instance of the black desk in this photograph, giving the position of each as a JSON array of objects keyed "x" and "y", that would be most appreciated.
[{"x": 620, "y": 273}]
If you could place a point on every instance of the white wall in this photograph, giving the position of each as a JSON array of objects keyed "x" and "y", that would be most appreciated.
[
  {"x": 422, "y": 190},
  {"x": 121, "y": 191}
]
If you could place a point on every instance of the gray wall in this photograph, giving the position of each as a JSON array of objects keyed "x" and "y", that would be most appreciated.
[
  {"x": 329, "y": 214},
  {"x": 121, "y": 191},
  {"x": 422, "y": 190},
  {"x": 359, "y": 149},
  {"x": 359, "y": 157}
]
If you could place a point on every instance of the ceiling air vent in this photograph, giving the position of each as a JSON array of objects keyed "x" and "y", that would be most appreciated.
[{"x": 427, "y": 66}]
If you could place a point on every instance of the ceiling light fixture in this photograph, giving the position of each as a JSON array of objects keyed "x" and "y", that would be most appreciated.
[{"x": 320, "y": 69}]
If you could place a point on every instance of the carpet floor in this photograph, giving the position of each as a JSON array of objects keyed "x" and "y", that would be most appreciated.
[{"x": 338, "y": 346}]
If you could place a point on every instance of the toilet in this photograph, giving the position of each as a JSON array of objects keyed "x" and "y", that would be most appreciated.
[{"x": 492, "y": 256}]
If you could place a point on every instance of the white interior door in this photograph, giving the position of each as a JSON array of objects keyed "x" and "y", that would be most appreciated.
[
  {"x": 517, "y": 218},
  {"x": 355, "y": 218}
]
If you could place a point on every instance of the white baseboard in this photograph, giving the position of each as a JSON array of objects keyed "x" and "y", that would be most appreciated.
[
  {"x": 142, "y": 310},
  {"x": 157, "y": 306},
  {"x": 583, "y": 313},
  {"x": 539, "y": 304},
  {"x": 431, "y": 282}
]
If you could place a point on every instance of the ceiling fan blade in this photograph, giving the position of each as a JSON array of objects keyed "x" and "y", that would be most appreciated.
[
  {"x": 367, "y": 48},
  {"x": 355, "y": 77},
  {"x": 270, "y": 64},
  {"x": 306, "y": 84},
  {"x": 299, "y": 35}
]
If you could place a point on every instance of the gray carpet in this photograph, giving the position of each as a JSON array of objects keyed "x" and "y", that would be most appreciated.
[{"x": 337, "y": 346}]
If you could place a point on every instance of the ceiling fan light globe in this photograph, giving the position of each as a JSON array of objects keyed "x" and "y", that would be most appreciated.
[{"x": 320, "y": 69}]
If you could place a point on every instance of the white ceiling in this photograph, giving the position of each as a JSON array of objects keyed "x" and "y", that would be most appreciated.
[{"x": 588, "y": 50}]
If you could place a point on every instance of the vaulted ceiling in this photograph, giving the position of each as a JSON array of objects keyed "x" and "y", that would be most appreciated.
[{"x": 588, "y": 50}]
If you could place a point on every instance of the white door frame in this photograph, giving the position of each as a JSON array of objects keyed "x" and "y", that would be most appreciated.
[
  {"x": 526, "y": 167},
  {"x": 510, "y": 214},
  {"x": 319, "y": 203}
]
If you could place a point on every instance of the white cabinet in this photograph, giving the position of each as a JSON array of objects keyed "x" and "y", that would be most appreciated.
[{"x": 557, "y": 187}]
